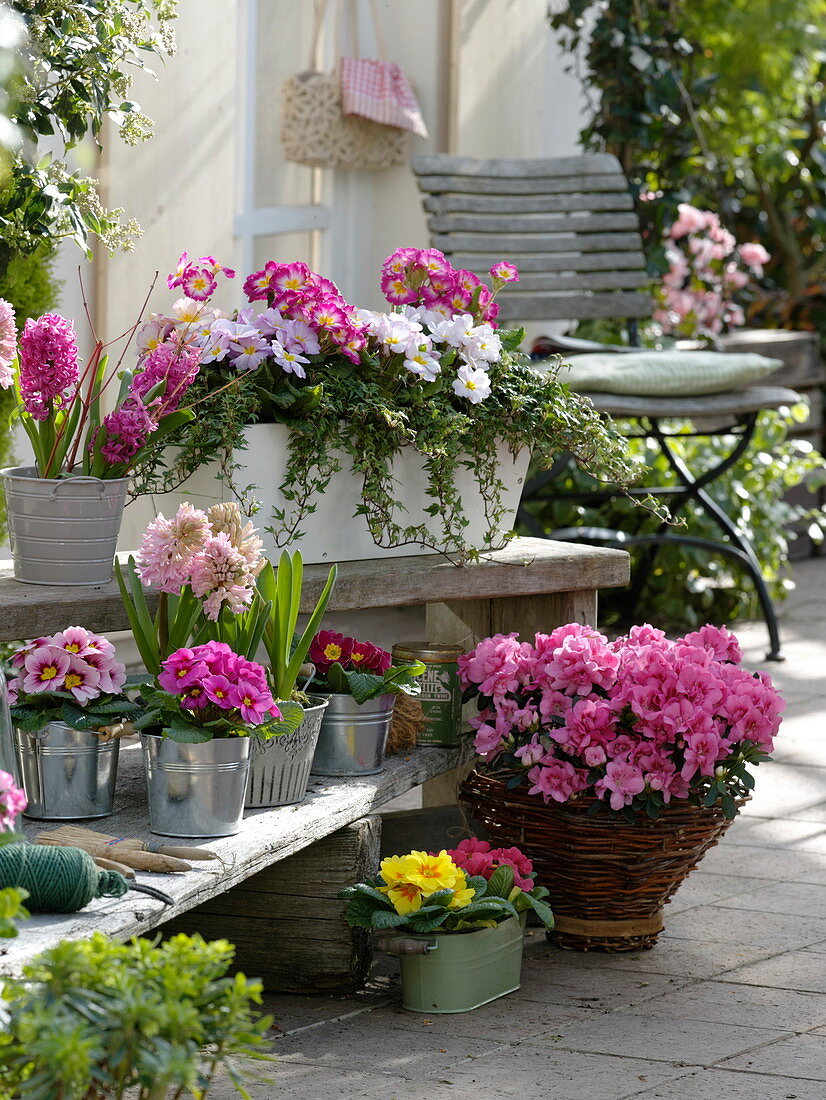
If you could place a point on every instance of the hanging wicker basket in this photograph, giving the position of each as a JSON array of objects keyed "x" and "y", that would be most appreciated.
[{"x": 608, "y": 879}]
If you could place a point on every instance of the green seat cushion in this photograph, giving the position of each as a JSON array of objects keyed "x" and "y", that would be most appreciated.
[{"x": 666, "y": 373}]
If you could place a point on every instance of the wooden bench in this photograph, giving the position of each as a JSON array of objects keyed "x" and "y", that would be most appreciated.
[{"x": 531, "y": 585}]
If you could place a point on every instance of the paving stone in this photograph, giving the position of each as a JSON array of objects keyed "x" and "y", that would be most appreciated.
[
  {"x": 563, "y": 979},
  {"x": 678, "y": 957},
  {"x": 289, "y": 1079},
  {"x": 780, "y": 864},
  {"x": 702, "y": 889},
  {"x": 721, "y": 1084},
  {"x": 779, "y": 832},
  {"x": 749, "y": 1006},
  {"x": 812, "y": 813},
  {"x": 792, "y": 970},
  {"x": 292, "y": 1011},
  {"x": 770, "y": 930},
  {"x": 803, "y": 899},
  {"x": 527, "y": 1073},
  {"x": 800, "y": 1055},
  {"x": 636, "y": 1035},
  {"x": 510, "y": 1019},
  {"x": 793, "y": 787},
  {"x": 360, "y": 1044},
  {"x": 818, "y": 947}
]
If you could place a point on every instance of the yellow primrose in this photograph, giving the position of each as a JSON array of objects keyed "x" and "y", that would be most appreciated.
[
  {"x": 406, "y": 897},
  {"x": 433, "y": 873},
  {"x": 395, "y": 869},
  {"x": 461, "y": 897}
]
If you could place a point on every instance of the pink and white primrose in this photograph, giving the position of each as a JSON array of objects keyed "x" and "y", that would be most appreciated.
[{"x": 634, "y": 723}]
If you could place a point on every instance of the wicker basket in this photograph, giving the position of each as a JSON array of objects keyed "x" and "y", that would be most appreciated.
[{"x": 608, "y": 879}]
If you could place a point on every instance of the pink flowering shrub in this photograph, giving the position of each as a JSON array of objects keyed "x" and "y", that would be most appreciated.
[
  {"x": 706, "y": 269},
  {"x": 347, "y": 666},
  {"x": 633, "y": 723},
  {"x": 210, "y": 691},
  {"x": 73, "y": 676}
]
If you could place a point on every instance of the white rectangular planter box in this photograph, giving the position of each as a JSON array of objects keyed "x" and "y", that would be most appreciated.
[{"x": 333, "y": 532}]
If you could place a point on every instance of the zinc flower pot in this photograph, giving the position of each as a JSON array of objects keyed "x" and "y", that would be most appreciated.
[
  {"x": 66, "y": 773},
  {"x": 63, "y": 531},
  {"x": 196, "y": 790},
  {"x": 353, "y": 736},
  {"x": 280, "y": 766},
  {"x": 459, "y": 971},
  {"x": 333, "y": 532}
]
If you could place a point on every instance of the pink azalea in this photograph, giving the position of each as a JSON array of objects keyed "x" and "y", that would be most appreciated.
[{"x": 623, "y": 781}]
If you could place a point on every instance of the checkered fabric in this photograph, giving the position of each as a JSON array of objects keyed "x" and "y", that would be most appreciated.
[{"x": 380, "y": 91}]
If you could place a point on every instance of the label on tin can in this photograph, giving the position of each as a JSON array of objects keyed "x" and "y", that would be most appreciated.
[{"x": 441, "y": 695}]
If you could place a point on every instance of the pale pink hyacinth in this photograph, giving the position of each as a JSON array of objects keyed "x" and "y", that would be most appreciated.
[
  {"x": 220, "y": 575},
  {"x": 8, "y": 344},
  {"x": 168, "y": 546},
  {"x": 214, "y": 553},
  {"x": 12, "y": 802}
]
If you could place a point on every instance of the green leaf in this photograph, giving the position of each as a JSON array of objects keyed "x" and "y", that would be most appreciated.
[
  {"x": 500, "y": 882},
  {"x": 186, "y": 733}
]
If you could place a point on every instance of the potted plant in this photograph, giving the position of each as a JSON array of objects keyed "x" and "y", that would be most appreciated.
[
  {"x": 456, "y": 920},
  {"x": 280, "y": 767},
  {"x": 196, "y": 726},
  {"x": 97, "y": 1018},
  {"x": 615, "y": 764},
  {"x": 67, "y": 701},
  {"x": 216, "y": 585},
  {"x": 360, "y": 683},
  {"x": 64, "y": 513},
  {"x": 408, "y": 430}
]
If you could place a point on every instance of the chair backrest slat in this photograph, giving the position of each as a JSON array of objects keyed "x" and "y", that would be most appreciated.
[{"x": 567, "y": 223}]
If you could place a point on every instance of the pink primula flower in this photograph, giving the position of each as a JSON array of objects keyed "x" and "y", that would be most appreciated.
[
  {"x": 12, "y": 801},
  {"x": 46, "y": 668}
]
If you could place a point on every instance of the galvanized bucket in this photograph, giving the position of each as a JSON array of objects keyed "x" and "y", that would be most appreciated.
[
  {"x": 195, "y": 790},
  {"x": 280, "y": 767},
  {"x": 459, "y": 971},
  {"x": 353, "y": 735},
  {"x": 66, "y": 773},
  {"x": 63, "y": 530}
]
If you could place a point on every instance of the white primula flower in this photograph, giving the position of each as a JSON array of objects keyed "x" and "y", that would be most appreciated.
[
  {"x": 215, "y": 346},
  {"x": 250, "y": 351},
  {"x": 235, "y": 330},
  {"x": 152, "y": 333},
  {"x": 189, "y": 311},
  {"x": 456, "y": 329},
  {"x": 268, "y": 321},
  {"x": 422, "y": 362},
  {"x": 290, "y": 361},
  {"x": 298, "y": 336},
  {"x": 484, "y": 344},
  {"x": 472, "y": 383},
  {"x": 399, "y": 334}
]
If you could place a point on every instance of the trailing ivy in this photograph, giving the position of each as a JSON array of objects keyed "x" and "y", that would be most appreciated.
[{"x": 358, "y": 419}]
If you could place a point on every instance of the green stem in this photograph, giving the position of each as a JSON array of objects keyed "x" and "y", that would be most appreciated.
[{"x": 163, "y": 625}]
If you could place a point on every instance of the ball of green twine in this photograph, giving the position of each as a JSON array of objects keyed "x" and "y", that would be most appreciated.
[{"x": 58, "y": 880}]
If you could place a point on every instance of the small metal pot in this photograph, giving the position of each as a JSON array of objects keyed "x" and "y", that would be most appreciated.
[
  {"x": 195, "y": 790},
  {"x": 66, "y": 773},
  {"x": 280, "y": 766},
  {"x": 63, "y": 530},
  {"x": 353, "y": 735}
]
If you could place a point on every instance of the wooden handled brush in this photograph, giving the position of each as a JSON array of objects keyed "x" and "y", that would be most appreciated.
[{"x": 126, "y": 850}]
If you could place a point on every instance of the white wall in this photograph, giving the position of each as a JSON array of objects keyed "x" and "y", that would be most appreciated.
[{"x": 489, "y": 77}]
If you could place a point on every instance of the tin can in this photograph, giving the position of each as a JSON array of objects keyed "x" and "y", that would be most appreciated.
[{"x": 441, "y": 696}]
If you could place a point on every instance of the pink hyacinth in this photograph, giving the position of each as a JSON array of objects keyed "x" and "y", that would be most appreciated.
[
  {"x": 48, "y": 364},
  {"x": 168, "y": 547},
  {"x": 8, "y": 344},
  {"x": 12, "y": 801},
  {"x": 220, "y": 575}
]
